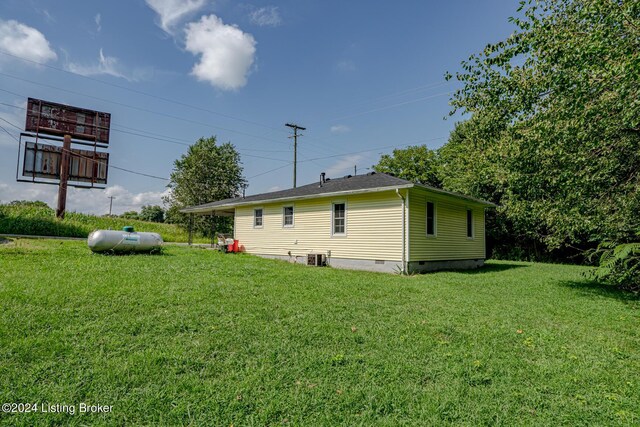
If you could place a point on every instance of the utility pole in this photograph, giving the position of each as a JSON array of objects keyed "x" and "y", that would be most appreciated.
[
  {"x": 295, "y": 148},
  {"x": 110, "y": 203}
]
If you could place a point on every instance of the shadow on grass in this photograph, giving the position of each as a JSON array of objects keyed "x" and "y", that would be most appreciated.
[
  {"x": 132, "y": 253},
  {"x": 493, "y": 267},
  {"x": 592, "y": 289}
]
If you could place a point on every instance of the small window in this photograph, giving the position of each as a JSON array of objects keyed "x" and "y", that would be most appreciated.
[
  {"x": 431, "y": 219},
  {"x": 257, "y": 217},
  {"x": 287, "y": 216},
  {"x": 339, "y": 218},
  {"x": 469, "y": 223}
]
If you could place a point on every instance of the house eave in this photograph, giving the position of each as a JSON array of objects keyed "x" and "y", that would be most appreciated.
[
  {"x": 458, "y": 196},
  {"x": 240, "y": 203}
]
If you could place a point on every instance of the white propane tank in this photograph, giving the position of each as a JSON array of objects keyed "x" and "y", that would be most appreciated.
[{"x": 125, "y": 240}]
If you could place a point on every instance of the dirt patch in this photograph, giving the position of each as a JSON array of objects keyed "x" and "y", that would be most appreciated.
[{"x": 5, "y": 241}]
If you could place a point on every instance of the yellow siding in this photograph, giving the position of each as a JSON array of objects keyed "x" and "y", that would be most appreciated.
[
  {"x": 450, "y": 242},
  {"x": 373, "y": 231}
]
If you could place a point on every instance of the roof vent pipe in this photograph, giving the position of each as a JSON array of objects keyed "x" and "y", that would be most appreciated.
[{"x": 322, "y": 178}]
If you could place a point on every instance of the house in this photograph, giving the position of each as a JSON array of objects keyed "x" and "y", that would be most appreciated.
[{"x": 372, "y": 222}]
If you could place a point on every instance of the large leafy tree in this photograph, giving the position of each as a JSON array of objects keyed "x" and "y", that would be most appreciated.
[
  {"x": 555, "y": 123},
  {"x": 206, "y": 173},
  {"x": 152, "y": 213},
  {"x": 415, "y": 163}
]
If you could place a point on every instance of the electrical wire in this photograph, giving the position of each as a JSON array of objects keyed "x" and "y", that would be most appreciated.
[
  {"x": 133, "y": 107},
  {"x": 9, "y": 133},
  {"x": 269, "y": 171},
  {"x": 161, "y": 98},
  {"x": 155, "y": 138}
]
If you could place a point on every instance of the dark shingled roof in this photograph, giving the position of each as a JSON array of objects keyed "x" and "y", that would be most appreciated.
[{"x": 359, "y": 183}]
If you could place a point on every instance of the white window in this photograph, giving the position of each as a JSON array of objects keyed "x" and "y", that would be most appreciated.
[
  {"x": 431, "y": 219},
  {"x": 287, "y": 216},
  {"x": 339, "y": 219},
  {"x": 469, "y": 224},
  {"x": 257, "y": 217}
]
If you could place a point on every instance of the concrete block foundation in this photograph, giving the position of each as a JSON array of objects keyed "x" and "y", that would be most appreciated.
[{"x": 387, "y": 266}]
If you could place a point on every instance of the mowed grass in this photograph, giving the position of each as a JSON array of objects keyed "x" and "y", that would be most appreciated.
[{"x": 195, "y": 337}]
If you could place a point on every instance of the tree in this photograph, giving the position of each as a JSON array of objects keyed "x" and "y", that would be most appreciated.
[
  {"x": 415, "y": 163},
  {"x": 152, "y": 213},
  {"x": 554, "y": 109},
  {"x": 130, "y": 215},
  {"x": 206, "y": 173}
]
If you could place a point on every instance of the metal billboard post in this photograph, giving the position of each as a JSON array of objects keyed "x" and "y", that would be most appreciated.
[{"x": 64, "y": 176}]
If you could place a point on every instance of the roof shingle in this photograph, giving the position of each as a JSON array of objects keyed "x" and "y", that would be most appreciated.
[{"x": 357, "y": 183}]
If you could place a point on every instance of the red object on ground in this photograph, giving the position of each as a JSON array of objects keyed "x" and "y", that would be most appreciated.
[
  {"x": 230, "y": 248},
  {"x": 235, "y": 245}
]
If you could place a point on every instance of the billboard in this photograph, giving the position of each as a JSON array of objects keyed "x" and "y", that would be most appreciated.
[
  {"x": 44, "y": 117},
  {"x": 45, "y": 161}
]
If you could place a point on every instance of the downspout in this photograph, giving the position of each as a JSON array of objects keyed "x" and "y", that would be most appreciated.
[{"x": 404, "y": 271}]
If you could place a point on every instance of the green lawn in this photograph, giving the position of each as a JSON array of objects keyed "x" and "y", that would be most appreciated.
[{"x": 194, "y": 337}]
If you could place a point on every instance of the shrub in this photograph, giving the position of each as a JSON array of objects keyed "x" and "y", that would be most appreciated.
[{"x": 619, "y": 264}]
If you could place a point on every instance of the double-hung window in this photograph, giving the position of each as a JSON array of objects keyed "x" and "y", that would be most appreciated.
[
  {"x": 469, "y": 224},
  {"x": 257, "y": 217},
  {"x": 339, "y": 219},
  {"x": 287, "y": 216}
]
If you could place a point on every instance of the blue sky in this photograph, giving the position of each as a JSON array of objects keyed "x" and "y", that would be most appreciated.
[{"x": 361, "y": 76}]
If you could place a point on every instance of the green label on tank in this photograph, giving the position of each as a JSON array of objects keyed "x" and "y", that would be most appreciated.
[{"x": 132, "y": 239}]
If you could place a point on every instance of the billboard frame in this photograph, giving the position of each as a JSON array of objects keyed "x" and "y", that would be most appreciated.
[
  {"x": 65, "y": 120},
  {"x": 22, "y": 159}
]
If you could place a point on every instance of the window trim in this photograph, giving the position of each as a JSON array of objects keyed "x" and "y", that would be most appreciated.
[
  {"x": 333, "y": 211},
  {"x": 435, "y": 219},
  {"x": 470, "y": 223},
  {"x": 293, "y": 216},
  {"x": 261, "y": 209}
]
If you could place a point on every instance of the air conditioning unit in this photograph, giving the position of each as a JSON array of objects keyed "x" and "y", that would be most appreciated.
[{"x": 317, "y": 260}]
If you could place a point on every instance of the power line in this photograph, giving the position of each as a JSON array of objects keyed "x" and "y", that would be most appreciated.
[
  {"x": 421, "y": 88},
  {"x": 133, "y": 107},
  {"x": 9, "y": 133},
  {"x": 391, "y": 106},
  {"x": 173, "y": 101},
  {"x": 139, "y": 173},
  {"x": 375, "y": 148},
  {"x": 155, "y": 138},
  {"x": 269, "y": 171},
  {"x": 7, "y": 121},
  {"x": 86, "y": 157}
]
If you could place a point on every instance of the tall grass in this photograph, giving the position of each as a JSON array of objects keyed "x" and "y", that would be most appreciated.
[{"x": 38, "y": 219}]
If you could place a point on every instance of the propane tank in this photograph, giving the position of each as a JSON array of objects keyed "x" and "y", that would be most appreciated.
[{"x": 126, "y": 240}]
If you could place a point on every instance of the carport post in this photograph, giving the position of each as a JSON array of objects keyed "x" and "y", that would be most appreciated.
[
  {"x": 213, "y": 228},
  {"x": 190, "y": 229}
]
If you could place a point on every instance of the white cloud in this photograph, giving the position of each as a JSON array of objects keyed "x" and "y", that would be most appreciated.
[
  {"x": 26, "y": 42},
  {"x": 98, "y": 20},
  {"x": 171, "y": 12},
  {"x": 83, "y": 200},
  {"x": 47, "y": 16},
  {"x": 344, "y": 165},
  {"x": 266, "y": 16},
  {"x": 227, "y": 52},
  {"x": 345, "y": 66},
  {"x": 339, "y": 129},
  {"x": 108, "y": 65}
]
